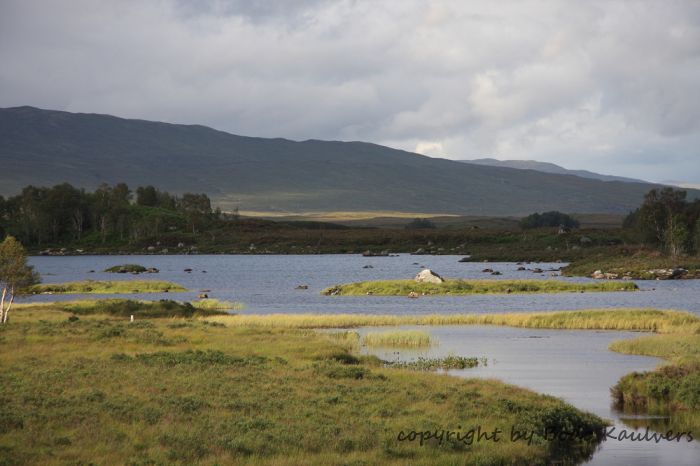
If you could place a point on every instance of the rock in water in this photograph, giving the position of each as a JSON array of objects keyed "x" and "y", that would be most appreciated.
[{"x": 428, "y": 276}]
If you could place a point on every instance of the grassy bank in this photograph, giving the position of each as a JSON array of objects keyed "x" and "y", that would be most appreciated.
[
  {"x": 468, "y": 287},
  {"x": 97, "y": 389},
  {"x": 640, "y": 266},
  {"x": 673, "y": 387},
  {"x": 596, "y": 319},
  {"x": 107, "y": 287}
]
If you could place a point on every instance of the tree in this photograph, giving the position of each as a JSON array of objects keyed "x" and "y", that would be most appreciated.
[
  {"x": 419, "y": 224},
  {"x": 548, "y": 219},
  {"x": 15, "y": 274}
]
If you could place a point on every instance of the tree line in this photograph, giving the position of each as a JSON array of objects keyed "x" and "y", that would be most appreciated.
[
  {"x": 668, "y": 221},
  {"x": 44, "y": 216}
]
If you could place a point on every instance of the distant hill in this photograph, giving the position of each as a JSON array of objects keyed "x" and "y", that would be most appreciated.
[
  {"x": 45, "y": 147},
  {"x": 548, "y": 168}
]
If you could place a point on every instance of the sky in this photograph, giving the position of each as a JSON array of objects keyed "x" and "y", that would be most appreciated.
[{"x": 608, "y": 86}]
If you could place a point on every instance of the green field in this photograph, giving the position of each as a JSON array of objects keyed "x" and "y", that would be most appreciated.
[{"x": 95, "y": 389}]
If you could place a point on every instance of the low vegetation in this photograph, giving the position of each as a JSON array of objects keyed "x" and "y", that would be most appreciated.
[
  {"x": 467, "y": 287},
  {"x": 398, "y": 339},
  {"x": 94, "y": 388},
  {"x": 126, "y": 268},
  {"x": 107, "y": 287},
  {"x": 673, "y": 387},
  {"x": 640, "y": 265},
  {"x": 649, "y": 320},
  {"x": 210, "y": 304},
  {"x": 432, "y": 364}
]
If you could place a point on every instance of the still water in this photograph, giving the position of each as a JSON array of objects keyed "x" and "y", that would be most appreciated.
[
  {"x": 266, "y": 283},
  {"x": 570, "y": 364},
  {"x": 573, "y": 365}
]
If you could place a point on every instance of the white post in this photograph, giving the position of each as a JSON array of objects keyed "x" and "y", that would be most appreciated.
[{"x": 132, "y": 317}]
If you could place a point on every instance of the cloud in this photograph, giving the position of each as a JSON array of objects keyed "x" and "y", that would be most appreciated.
[{"x": 603, "y": 85}]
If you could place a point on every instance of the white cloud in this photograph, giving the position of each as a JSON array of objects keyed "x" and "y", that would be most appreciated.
[{"x": 602, "y": 85}]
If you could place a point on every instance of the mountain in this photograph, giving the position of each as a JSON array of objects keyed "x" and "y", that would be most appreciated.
[
  {"x": 548, "y": 168},
  {"x": 45, "y": 147}
]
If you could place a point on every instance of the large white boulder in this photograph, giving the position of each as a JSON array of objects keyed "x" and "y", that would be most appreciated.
[{"x": 428, "y": 276}]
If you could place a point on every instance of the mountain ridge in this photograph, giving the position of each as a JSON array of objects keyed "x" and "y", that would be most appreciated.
[{"x": 45, "y": 147}]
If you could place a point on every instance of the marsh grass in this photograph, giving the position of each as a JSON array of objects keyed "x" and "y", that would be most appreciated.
[
  {"x": 140, "y": 309},
  {"x": 673, "y": 387},
  {"x": 432, "y": 364},
  {"x": 399, "y": 339},
  {"x": 94, "y": 389},
  {"x": 468, "y": 287},
  {"x": 210, "y": 304},
  {"x": 650, "y": 320},
  {"x": 107, "y": 287}
]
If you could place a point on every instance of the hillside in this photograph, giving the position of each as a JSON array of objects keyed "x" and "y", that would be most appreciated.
[
  {"x": 548, "y": 168},
  {"x": 44, "y": 147}
]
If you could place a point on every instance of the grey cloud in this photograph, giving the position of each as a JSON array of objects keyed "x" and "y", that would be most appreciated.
[{"x": 601, "y": 85}]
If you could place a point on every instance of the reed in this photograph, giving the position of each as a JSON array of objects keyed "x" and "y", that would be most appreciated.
[
  {"x": 398, "y": 339},
  {"x": 652, "y": 320}
]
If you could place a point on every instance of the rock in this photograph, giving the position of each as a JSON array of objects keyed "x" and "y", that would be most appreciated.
[
  {"x": 187, "y": 270},
  {"x": 151, "y": 248},
  {"x": 585, "y": 240},
  {"x": 152, "y": 270},
  {"x": 205, "y": 291},
  {"x": 465, "y": 259},
  {"x": 367, "y": 267},
  {"x": 600, "y": 275},
  {"x": 428, "y": 276},
  {"x": 302, "y": 287},
  {"x": 180, "y": 245},
  {"x": 375, "y": 254},
  {"x": 520, "y": 269},
  {"x": 537, "y": 270},
  {"x": 418, "y": 251},
  {"x": 496, "y": 272},
  {"x": 203, "y": 296},
  {"x": 413, "y": 295},
  {"x": 487, "y": 271}
]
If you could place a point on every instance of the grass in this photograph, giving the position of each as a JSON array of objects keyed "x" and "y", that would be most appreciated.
[
  {"x": 673, "y": 387},
  {"x": 210, "y": 304},
  {"x": 95, "y": 389},
  {"x": 398, "y": 339},
  {"x": 650, "y": 320},
  {"x": 107, "y": 287},
  {"x": 468, "y": 287},
  {"x": 127, "y": 268},
  {"x": 637, "y": 266},
  {"x": 432, "y": 364}
]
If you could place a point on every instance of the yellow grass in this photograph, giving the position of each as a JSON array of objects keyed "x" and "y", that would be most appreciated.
[
  {"x": 599, "y": 319},
  {"x": 398, "y": 339}
]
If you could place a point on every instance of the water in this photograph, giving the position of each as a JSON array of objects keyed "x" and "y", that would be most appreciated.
[
  {"x": 570, "y": 364},
  {"x": 573, "y": 365},
  {"x": 266, "y": 283}
]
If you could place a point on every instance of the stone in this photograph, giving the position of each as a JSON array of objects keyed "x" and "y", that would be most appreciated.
[{"x": 428, "y": 276}]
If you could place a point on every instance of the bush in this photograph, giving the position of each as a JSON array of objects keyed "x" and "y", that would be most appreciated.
[{"x": 548, "y": 219}]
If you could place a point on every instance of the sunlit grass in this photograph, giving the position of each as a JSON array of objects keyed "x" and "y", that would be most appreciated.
[
  {"x": 599, "y": 319},
  {"x": 211, "y": 304},
  {"x": 468, "y": 287},
  {"x": 107, "y": 287},
  {"x": 95, "y": 388},
  {"x": 398, "y": 339}
]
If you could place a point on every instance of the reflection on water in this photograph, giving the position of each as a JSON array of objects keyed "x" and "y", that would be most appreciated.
[{"x": 570, "y": 364}]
